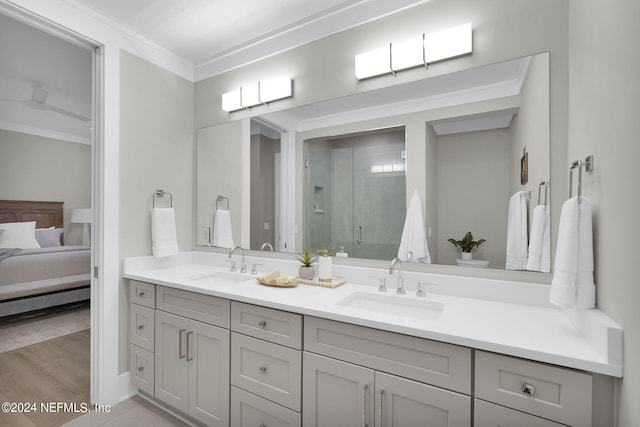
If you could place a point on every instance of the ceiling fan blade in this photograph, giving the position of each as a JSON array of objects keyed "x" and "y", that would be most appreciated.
[
  {"x": 12, "y": 100},
  {"x": 69, "y": 113}
]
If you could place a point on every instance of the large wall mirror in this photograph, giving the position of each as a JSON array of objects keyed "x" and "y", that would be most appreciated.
[{"x": 340, "y": 173}]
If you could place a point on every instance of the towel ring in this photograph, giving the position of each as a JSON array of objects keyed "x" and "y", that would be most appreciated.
[
  {"x": 587, "y": 165},
  {"x": 544, "y": 184},
  {"x": 159, "y": 194},
  {"x": 221, "y": 199}
]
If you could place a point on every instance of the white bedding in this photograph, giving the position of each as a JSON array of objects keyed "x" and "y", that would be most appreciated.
[{"x": 43, "y": 270}]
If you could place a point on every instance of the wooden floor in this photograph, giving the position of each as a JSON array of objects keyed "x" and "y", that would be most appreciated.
[{"x": 50, "y": 372}]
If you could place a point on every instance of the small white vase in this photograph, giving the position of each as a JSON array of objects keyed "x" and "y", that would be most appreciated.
[
  {"x": 307, "y": 272},
  {"x": 466, "y": 256}
]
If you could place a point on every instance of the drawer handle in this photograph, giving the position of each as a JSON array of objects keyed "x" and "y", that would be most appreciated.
[
  {"x": 140, "y": 368},
  {"x": 263, "y": 425},
  {"x": 140, "y": 327},
  {"x": 141, "y": 294},
  {"x": 262, "y": 324},
  {"x": 528, "y": 389},
  {"x": 263, "y": 369}
]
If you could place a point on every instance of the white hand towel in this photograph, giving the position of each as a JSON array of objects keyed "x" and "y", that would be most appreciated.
[
  {"x": 222, "y": 235},
  {"x": 540, "y": 243},
  {"x": 572, "y": 284},
  {"x": 163, "y": 232},
  {"x": 517, "y": 233},
  {"x": 413, "y": 234}
]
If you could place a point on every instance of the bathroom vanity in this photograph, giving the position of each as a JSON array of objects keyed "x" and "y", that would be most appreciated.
[{"x": 223, "y": 350}]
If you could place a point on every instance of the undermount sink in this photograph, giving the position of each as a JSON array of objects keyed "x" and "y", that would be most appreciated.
[
  {"x": 222, "y": 277},
  {"x": 400, "y": 306}
]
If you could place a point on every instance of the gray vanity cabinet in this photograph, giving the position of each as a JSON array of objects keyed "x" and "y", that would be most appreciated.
[
  {"x": 357, "y": 376},
  {"x": 487, "y": 414},
  {"x": 192, "y": 359},
  {"x": 336, "y": 393}
]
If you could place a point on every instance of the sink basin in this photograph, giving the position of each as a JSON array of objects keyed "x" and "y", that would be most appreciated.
[
  {"x": 222, "y": 277},
  {"x": 400, "y": 306}
]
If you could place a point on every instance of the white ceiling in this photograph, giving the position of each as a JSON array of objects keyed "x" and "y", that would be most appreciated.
[{"x": 213, "y": 35}]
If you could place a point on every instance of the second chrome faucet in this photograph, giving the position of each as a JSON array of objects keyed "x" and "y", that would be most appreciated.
[{"x": 397, "y": 264}]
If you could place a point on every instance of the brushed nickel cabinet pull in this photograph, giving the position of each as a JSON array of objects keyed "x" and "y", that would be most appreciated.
[
  {"x": 528, "y": 389},
  {"x": 381, "y": 403},
  {"x": 262, "y": 324},
  {"x": 181, "y": 354},
  {"x": 263, "y": 369},
  {"x": 365, "y": 389},
  {"x": 189, "y": 355}
]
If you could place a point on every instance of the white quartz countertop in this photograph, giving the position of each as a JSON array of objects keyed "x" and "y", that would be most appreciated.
[{"x": 543, "y": 334}]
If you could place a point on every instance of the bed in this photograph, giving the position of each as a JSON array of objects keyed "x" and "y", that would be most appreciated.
[{"x": 44, "y": 273}]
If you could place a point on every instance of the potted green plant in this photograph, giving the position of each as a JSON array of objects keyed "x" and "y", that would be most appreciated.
[
  {"x": 306, "y": 258},
  {"x": 466, "y": 244}
]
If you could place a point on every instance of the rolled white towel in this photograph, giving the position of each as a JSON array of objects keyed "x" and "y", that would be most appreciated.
[{"x": 163, "y": 232}]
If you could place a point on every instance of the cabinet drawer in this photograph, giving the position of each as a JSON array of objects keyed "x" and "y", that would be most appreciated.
[
  {"x": 205, "y": 308},
  {"x": 141, "y": 325},
  {"x": 249, "y": 410},
  {"x": 431, "y": 362},
  {"x": 487, "y": 414},
  {"x": 142, "y": 293},
  {"x": 268, "y": 324},
  {"x": 266, "y": 369},
  {"x": 551, "y": 392},
  {"x": 141, "y": 367}
]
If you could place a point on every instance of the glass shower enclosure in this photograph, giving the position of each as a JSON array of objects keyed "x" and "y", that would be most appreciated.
[{"x": 355, "y": 193}]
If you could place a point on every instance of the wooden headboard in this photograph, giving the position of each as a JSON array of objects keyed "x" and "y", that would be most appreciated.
[{"x": 45, "y": 214}]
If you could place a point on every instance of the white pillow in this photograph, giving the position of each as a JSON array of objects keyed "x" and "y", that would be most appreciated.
[
  {"x": 18, "y": 235},
  {"x": 48, "y": 237}
]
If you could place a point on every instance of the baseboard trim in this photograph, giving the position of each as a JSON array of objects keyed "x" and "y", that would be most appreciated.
[{"x": 126, "y": 389}]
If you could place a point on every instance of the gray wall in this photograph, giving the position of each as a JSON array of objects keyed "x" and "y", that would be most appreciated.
[
  {"x": 473, "y": 193},
  {"x": 603, "y": 120},
  {"x": 263, "y": 181},
  {"x": 38, "y": 168},
  {"x": 156, "y": 152}
]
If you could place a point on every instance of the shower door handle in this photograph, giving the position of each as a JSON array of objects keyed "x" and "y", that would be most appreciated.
[{"x": 359, "y": 234}]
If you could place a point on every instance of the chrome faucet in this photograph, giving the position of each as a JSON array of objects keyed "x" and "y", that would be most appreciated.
[
  {"x": 266, "y": 246},
  {"x": 243, "y": 266},
  {"x": 397, "y": 263}
]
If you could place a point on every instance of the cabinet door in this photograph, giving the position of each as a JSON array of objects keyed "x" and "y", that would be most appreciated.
[
  {"x": 208, "y": 361},
  {"x": 172, "y": 379},
  {"x": 402, "y": 402},
  {"x": 336, "y": 393},
  {"x": 487, "y": 414}
]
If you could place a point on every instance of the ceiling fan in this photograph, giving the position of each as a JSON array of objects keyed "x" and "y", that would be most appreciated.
[{"x": 38, "y": 101}]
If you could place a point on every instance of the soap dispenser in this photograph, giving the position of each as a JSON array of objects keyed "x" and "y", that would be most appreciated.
[{"x": 324, "y": 267}]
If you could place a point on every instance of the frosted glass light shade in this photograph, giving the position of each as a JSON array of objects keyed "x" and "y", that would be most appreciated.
[
  {"x": 274, "y": 89},
  {"x": 231, "y": 100},
  {"x": 250, "y": 95},
  {"x": 407, "y": 54},
  {"x": 448, "y": 43},
  {"x": 81, "y": 216},
  {"x": 373, "y": 63}
]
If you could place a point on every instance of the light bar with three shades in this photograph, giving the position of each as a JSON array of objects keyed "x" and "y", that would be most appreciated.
[
  {"x": 257, "y": 93},
  {"x": 422, "y": 50}
]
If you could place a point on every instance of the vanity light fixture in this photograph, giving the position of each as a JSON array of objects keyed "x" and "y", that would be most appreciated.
[
  {"x": 258, "y": 93},
  {"x": 428, "y": 48}
]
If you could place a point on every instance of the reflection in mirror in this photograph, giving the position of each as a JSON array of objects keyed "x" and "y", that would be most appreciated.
[
  {"x": 265, "y": 184},
  {"x": 464, "y": 135},
  {"x": 355, "y": 193}
]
